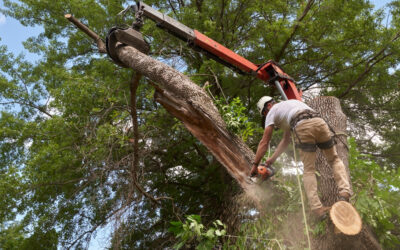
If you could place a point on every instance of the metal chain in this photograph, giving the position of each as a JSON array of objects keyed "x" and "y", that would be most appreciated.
[{"x": 137, "y": 25}]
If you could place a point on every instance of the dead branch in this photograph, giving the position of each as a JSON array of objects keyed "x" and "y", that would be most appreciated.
[{"x": 89, "y": 32}]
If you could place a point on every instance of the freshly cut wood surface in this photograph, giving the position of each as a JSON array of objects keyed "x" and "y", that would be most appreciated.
[{"x": 346, "y": 218}]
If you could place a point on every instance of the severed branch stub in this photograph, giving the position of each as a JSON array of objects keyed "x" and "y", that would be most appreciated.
[{"x": 100, "y": 44}]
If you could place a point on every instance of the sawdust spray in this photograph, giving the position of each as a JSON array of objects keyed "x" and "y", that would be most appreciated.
[{"x": 275, "y": 214}]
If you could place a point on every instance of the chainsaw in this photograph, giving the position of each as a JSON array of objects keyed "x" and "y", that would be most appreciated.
[{"x": 263, "y": 173}]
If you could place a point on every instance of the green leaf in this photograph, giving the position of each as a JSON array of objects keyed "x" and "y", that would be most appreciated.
[
  {"x": 210, "y": 233},
  {"x": 179, "y": 245},
  {"x": 176, "y": 223}
]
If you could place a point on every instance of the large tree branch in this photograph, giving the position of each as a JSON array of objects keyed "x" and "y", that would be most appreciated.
[
  {"x": 296, "y": 26},
  {"x": 190, "y": 103}
]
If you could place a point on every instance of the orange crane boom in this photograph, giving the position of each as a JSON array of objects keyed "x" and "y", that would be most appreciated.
[{"x": 268, "y": 72}]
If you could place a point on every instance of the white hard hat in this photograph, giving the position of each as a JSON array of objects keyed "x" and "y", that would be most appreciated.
[{"x": 262, "y": 102}]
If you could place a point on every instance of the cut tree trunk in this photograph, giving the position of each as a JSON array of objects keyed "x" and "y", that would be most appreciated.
[
  {"x": 189, "y": 103},
  {"x": 329, "y": 108}
]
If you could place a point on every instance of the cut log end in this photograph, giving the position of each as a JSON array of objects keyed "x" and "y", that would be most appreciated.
[{"x": 346, "y": 218}]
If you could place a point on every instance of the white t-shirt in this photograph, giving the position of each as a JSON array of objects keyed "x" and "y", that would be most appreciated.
[{"x": 282, "y": 112}]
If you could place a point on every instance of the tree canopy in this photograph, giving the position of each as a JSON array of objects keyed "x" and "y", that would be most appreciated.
[{"x": 66, "y": 134}]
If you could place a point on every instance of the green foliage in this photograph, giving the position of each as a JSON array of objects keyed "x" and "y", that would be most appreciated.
[
  {"x": 66, "y": 130},
  {"x": 15, "y": 236},
  {"x": 319, "y": 228},
  {"x": 12, "y": 237},
  {"x": 259, "y": 234},
  {"x": 235, "y": 117},
  {"x": 193, "y": 231},
  {"x": 377, "y": 195}
]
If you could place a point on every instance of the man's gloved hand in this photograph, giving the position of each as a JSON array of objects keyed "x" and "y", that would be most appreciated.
[{"x": 253, "y": 171}]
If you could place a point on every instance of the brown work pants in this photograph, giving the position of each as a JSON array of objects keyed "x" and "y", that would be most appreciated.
[{"x": 314, "y": 131}]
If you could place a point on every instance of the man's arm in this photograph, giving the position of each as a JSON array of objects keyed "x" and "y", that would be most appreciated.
[
  {"x": 281, "y": 147},
  {"x": 262, "y": 147}
]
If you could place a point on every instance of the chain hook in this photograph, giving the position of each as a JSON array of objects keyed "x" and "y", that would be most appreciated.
[{"x": 138, "y": 10}]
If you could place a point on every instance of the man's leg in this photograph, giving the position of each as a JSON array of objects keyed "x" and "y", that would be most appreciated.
[
  {"x": 306, "y": 131},
  {"x": 309, "y": 179},
  {"x": 339, "y": 170}
]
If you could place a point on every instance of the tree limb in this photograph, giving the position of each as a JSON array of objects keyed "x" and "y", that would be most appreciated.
[
  {"x": 282, "y": 51},
  {"x": 374, "y": 60},
  {"x": 100, "y": 44},
  {"x": 368, "y": 68},
  {"x": 133, "y": 88}
]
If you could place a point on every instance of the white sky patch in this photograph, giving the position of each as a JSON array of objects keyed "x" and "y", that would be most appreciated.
[
  {"x": 51, "y": 110},
  {"x": 312, "y": 92},
  {"x": 177, "y": 171},
  {"x": 294, "y": 168},
  {"x": 2, "y": 19},
  {"x": 28, "y": 143},
  {"x": 101, "y": 239}
]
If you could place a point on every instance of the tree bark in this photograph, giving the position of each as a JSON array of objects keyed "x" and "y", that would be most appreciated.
[{"x": 330, "y": 110}]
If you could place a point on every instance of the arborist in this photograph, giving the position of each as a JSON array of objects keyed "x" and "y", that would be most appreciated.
[{"x": 310, "y": 131}]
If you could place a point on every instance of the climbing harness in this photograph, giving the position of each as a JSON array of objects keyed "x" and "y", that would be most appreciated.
[{"x": 311, "y": 147}]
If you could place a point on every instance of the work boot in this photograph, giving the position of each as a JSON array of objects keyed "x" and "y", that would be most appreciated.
[
  {"x": 320, "y": 213},
  {"x": 344, "y": 196}
]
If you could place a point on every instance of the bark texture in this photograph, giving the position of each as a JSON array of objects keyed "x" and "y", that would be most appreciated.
[{"x": 329, "y": 108}]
